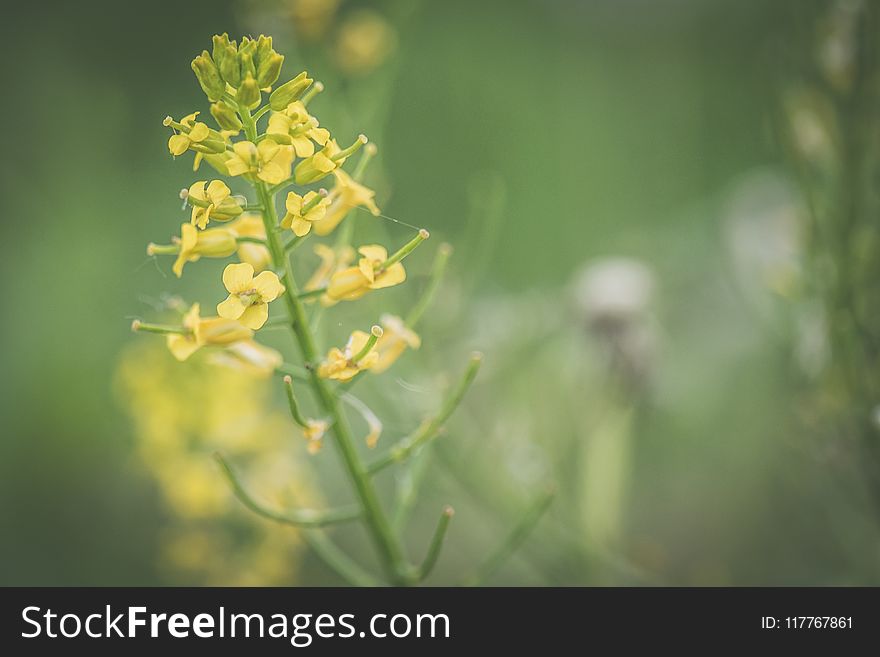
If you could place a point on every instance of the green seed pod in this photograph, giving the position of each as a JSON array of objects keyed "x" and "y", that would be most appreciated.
[
  {"x": 248, "y": 93},
  {"x": 269, "y": 69},
  {"x": 289, "y": 91},
  {"x": 208, "y": 76},
  {"x": 225, "y": 116}
]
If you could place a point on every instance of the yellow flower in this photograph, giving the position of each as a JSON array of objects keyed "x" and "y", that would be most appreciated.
[
  {"x": 251, "y": 225},
  {"x": 303, "y": 210},
  {"x": 329, "y": 158},
  {"x": 207, "y": 331},
  {"x": 191, "y": 132},
  {"x": 211, "y": 202},
  {"x": 249, "y": 356},
  {"x": 332, "y": 260},
  {"x": 364, "y": 42},
  {"x": 216, "y": 160},
  {"x": 213, "y": 243},
  {"x": 249, "y": 295},
  {"x": 345, "y": 196},
  {"x": 396, "y": 337},
  {"x": 314, "y": 433},
  {"x": 295, "y": 126},
  {"x": 343, "y": 364},
  {"x": 268, "y": 161},
  {"x": 354, "y": 282}
]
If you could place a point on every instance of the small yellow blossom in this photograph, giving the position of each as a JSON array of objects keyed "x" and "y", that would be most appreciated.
[
  {"x": 295, "y": 126},
  {"x": 251, "y": 224},
  {"x": 249, "y": 356},
  {"x": 332, "y": 260},
  {"x": 211, "y": 202},
  {"x": 354, "y": 282},
  {"x": 204, "y": 331},
  {"x": 364, "y": 42},
  {"x": 216, "y": 160},
  {"x": 314, "y": 433},
  {"x": 346, "y": 195},
  {"x": 212, "y": 243},
  {"x": 326, "y": 160},
  {"x": 396, "y": 337},
  {"x": 249, "y": 295},
  {"x": 191, "y": 132},
  {"x": 268, "y": 161},
  {"x": 302, "y": 211},
  {"x": 342, "y": 365}
]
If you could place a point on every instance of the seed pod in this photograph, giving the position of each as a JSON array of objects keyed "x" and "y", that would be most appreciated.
[{"x": 289, "y": 91}]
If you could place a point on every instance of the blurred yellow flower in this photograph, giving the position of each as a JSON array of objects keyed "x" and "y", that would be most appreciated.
[
  {"x": 396, "y": 337},
  {"x": 311, "y": 18},
  {"x": 204, "y": 331},
  {"x": 314, "y": 433},
  {"x": 346, "y": 195},
  {"x": 248, "y": 356},
  {"x": 268, "y": 161},
  {"x": 251, "y": 225},
  {"x": 364, "y": 42},
  {"x": 332, "y": 260},
  {"x": 212, "y": 243},
  {"x": 249, "y": 295},
  {"x": 302, "y": 211},
  {"x": 343, "y": 364},
  {"x": 211, "y": 201},
  {"x": 352, "y": 283}
]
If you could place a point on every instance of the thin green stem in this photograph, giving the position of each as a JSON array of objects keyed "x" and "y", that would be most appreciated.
[
  {"x": 310, "y": 294},
  {"x": 163, "y": 329},
  {"x": 297, "y": 518},
  {"x": 374, "y": 516},
  {"x": 437, "y": 271},
  {"x": 375, "y": 334},
  {"x": 514, "y": 539},
  {"x": 405, "y": 250},
  {"x": 337, "y": 560},
  {"x": 250, "y": 240},
  {"x": 436, "y": 544},
  {"x": 430, "y": 428},
  {"x": 260, "y": 112},
  {"x": 295, "y": 412}
]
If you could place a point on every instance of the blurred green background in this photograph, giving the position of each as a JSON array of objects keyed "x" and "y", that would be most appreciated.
[{"x": 536, "y": 138}]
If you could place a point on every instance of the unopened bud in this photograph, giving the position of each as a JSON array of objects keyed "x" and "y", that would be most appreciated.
[
  {"x": 225, "y": 116},
  {"x": 208, "y": 76},
  {"x": 248, "y": 93},
  {"x": 289, "y": 92},
  {"x": 269, "y": 69}
]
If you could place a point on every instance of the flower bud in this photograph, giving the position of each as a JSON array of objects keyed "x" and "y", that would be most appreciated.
[
  {"x": 208, "y": 76},
  {"x": 226, "y": 59},
  {"x": 225, "y": 116},
  {"x": 269, "y": 69},
  {"x": 248, "y": 93},
  {"x": 215, "y": 242},
  {"x": 289, "y": 92},
  {"x": 246, "y": 62}
]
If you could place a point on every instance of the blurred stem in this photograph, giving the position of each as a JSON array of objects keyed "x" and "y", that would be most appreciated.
[
  {"x": 437, "y": 271},
  {"x": 337, "y": 560},
  {"x": 390, "y": 551},
  {"x": 429, "y": 429},
  {"x": 514, "y": 539},
  {"x": 297, "y": 518},
  {"x": 408, "y": 487},
  {"x": 436, "y": 544}
]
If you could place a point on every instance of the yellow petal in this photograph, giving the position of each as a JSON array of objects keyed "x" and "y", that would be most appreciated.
[
  {"x": 178, "y": 144},
  {"x": 367, "y": 269},
  {"x": 246, "y": 151},
  {"x": 303, "y": 146},
  {"x": 301, "y": 227},
  {"x": 181, "y": 346},
  {"x": 255, "y": 316},
  {"x": 374, "y": 252},
  {"x": 267, "y": 285},
  {"x": 293, "y": 203},
  {"x": 218, "y": 191},
  {"x": 199, "y": 132},
  {"x": 394, "y": 275},
  {"x": 320, "y": 135},
  {"x": 231, "y": 308},
  {"x": 197, "y": 190},
  {"x": 348, "y": 284},
  {"x": 238, "y": 277},
  {"x": 273, "y": 173}
]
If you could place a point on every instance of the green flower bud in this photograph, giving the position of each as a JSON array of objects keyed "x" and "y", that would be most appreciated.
[
  {"x": 225, "y": 116},
  {"x": 208, "y": 76},
  {"x": 248, "y": 93},
  {"x": 209, "y": 145},
  {"x": 264, "y": 48},
  {"x": 226, "y": 59},
  {"x": 221, "y": 42},
  {"x": 246, "y": 62},
  {"x": 269, "y": 70},
  {"x": 289, "y": 91}
]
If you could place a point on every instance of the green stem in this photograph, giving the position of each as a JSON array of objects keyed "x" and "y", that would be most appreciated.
[
  {"x": 376, "y": 521},
  {"x": 312, "y": 293},
  {"x": 297, "y": 518},
  {"x": 436, "y": 544},
  {"x": 337, "y": 560},
  {"x": 430, "y": 428},
  {"x": 514, "y": 539},
  {"x": 251, "y": 240},
  {"x": 295, "y": 413},
  {"x": 162, "y": 329},
  {"x": 405, "y": 250},
  {"x": 437, "y": 270}
]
